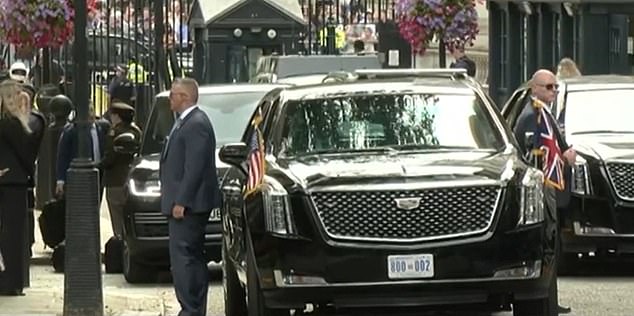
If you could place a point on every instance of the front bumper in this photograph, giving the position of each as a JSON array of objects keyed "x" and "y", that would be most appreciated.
[
  {"x": 597, "y": 225},
  {"x": 514, "y": 265},
  {"x": 147, "y": 233}
]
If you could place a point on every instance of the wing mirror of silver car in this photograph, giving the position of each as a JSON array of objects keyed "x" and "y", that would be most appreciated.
[{"x": 234, "y": 154}]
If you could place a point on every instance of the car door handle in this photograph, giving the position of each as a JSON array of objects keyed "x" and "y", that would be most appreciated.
[{"x": 231, "y": 190}]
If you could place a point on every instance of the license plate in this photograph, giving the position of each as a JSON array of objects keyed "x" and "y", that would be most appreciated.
[
  {"x": 410, "y": 266},
  {"x": 215, "y": 215}
]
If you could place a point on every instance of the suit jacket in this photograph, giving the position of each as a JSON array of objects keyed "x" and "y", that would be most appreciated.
[
  {"x": 526, "y": 123},
  {"x": 68, "y": 146},
  {"x": 14, "y": 154},
  {"x": 37, "y": 124},
  {"x": 188, "y": 167}
]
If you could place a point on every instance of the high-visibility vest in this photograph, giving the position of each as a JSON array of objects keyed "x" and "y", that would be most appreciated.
[
  {"x": 136, "y": 73},
  {"x": 340, "y": 37}
]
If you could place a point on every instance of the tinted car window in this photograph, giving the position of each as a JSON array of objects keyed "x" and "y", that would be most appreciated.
[
  {"x": 582, "y": 115},
  {"x": 228, "y": 112},
  {"x": 393, "y": 121}
]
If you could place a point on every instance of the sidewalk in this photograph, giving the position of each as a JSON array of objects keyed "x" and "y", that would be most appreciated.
[{"x": 45, "y": 297}]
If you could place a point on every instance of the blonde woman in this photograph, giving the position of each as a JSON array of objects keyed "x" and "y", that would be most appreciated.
[
  {"x": 14, "y": 182},
  {"x": 567, "y": 68}
]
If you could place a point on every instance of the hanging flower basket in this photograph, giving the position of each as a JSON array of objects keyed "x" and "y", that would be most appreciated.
[
  {"x": 36, "y": 23},
  {"x": 455, "y": 22}
]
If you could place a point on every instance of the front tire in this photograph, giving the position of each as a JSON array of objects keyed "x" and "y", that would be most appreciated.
[
  {"x": 234, "y": 294},
  {"x": 548, "y": 306},
  {"x": 255, "y": 299},
  {"x": 135, "y": 273}
]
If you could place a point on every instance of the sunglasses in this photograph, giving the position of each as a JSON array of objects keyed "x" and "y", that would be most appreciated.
[{"x": 550, "y": 86}]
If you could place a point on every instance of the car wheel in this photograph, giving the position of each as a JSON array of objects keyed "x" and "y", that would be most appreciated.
[
  {"x": 113, "y": 256},
  {"x": 133, "y": 272},
  {"x": 548, "y": 306},
  {"x": 255, "y": 299},
  {"x": 235, "y": 303}
]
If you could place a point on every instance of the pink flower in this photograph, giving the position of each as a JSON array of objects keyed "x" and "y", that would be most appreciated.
[{"x": 455, "y": 21}]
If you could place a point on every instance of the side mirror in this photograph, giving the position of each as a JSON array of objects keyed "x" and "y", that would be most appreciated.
[
  {"x": 126, "y": 143},
  {"x": 234, "y": 154}
]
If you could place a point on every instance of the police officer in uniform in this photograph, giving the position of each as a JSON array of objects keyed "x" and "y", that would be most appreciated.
[{"x": 122, "y": 142}]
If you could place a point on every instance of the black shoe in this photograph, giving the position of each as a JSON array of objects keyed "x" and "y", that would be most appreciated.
[
  {"x": 564, "y": 309},
  {"x": 12, "y": 293}
]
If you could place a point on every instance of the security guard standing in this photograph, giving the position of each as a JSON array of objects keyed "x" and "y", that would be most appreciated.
[{"x": 121, "y": 144}]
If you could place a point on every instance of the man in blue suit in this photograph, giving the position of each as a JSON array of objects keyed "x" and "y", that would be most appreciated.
[
  {"x": 67, "y": 148},
  {"x": 189, "y": 191}
]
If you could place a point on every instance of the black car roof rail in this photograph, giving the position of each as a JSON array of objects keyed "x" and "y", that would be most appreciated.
[{"x": 365, "y": 74}]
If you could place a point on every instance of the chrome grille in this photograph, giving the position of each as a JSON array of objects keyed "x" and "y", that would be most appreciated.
[
  {"x": 373, "y": 215},
  {"x": 154, "y": 225},
  {"x": 622, "y": 176}
]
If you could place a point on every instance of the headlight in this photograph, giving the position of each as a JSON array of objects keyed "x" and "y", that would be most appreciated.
[
  {"x": 277, "y": 208},
  {"x": 580, "y": 177},
  {"x": 149, "y": 188},
  {"x": 532, "y": 197}
]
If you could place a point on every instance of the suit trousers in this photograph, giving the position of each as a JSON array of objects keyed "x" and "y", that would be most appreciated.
[
  {"x": 189, "y": 263},
  {"x": 13, "y": 237}
]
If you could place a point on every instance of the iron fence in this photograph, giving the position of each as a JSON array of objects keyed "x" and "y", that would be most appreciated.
[
  {"x": 148, "y": 37},
  {"x": 334, "y": 26}
]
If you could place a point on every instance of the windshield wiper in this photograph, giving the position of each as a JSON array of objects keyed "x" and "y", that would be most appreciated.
[
  {"x": 335, "y": 151},
  {"x": 428, "y": 146},
  {"x": 605, "y": 131}
]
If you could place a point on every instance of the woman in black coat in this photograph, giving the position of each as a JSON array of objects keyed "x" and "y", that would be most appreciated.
[{"x": 16, "y": 169}]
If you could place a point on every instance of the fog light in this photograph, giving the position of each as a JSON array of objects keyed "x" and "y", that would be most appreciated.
[
  {"x": 282, "y": 280},
  {"x": 526, "y": 271}
]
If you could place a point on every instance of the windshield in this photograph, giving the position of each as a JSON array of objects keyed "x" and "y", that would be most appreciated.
[
  {"x": 388, "y": 122},
  {"x": 599, "y": 111},
  {"x": 229, "y": 113}
]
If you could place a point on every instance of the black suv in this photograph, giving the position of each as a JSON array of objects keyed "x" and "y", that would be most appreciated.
[
  {"x": 145, "y": 245},
  {"x": 385, "y": 189},
  {"x": 595, "y": 113}
]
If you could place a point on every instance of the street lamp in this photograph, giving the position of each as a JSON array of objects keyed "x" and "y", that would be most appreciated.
[{"x": 83, "y": 294}]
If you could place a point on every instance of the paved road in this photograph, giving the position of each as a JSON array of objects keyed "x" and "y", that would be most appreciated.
[
  {"x": 599, "y": 295},
  {"x": 603, "y": 290}
]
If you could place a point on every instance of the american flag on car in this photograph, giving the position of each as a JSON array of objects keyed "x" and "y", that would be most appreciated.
[{"x": 255, "y": 161}]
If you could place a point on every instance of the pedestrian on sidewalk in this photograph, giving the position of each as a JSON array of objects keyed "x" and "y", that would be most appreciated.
[
  {"x": 189, "y": 191},
  {"x": 567, "y": 68},
  {"x": 544, "y": 89},
  {"x": 463, "y": 61},
  {"x": 37, "y": 124},
  {"x": 116, "y": 163},
  {"x": 16, "y": 169}
]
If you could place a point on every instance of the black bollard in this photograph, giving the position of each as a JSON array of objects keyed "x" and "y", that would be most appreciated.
[{"x": 83, "y": 294}]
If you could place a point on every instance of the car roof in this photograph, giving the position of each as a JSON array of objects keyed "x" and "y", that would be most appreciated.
[
  {"x": 232, "y": 88},
  {"x": 378, "y": 86},
  {"x": 599, "y": 82}
]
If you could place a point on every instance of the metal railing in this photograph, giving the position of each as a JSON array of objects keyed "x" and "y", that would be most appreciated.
[{"x": 150, "y": 37}]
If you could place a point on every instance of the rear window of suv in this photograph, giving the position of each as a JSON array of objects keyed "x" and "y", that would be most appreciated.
[{"x": 403, "y": 121}]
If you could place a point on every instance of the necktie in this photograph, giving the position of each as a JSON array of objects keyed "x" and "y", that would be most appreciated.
[{"x": 96, "y": 154}]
